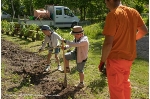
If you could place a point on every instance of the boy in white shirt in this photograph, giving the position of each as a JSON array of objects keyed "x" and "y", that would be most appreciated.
[
  {"x": 52, "y": 38},
  {"x": 80, "y": 53}
]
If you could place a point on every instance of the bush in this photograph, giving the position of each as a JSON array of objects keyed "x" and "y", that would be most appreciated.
[{"x": 94, "y": 31}]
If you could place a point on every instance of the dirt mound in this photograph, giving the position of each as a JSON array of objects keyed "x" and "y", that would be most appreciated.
[{"x": 30, "y": 67}]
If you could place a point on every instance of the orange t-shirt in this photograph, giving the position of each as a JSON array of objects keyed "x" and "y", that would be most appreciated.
[{"x": 122, "y": 24}]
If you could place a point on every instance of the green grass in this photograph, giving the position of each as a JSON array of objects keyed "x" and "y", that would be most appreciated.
[
  {"x": 95, "y": 81},
  {"x": 139, "y": 79}
]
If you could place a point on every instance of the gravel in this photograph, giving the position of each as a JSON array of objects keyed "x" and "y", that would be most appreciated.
[{"x": 143, "y": 48}]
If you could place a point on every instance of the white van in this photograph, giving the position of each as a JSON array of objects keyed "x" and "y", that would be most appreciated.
[{"x": 60, "y": 16}]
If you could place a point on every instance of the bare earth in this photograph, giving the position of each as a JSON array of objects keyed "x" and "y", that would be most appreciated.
[{"x": 30, "y": 67}]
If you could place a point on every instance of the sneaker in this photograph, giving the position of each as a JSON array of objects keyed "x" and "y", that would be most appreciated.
[
  {"x": 59, "y": 68},
  {"x": 47, "y": 68},
  {"x": 80, "y": 85}
]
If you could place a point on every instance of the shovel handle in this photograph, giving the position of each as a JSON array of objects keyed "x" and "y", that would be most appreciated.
[
  {"x": 65, "y": 78},
  {"x": 64, "y": 58}
]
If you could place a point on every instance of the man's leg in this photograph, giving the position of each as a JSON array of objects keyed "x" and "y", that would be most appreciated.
[
  {"x": 66, "y": 63},
  {"x": 69, "y": 56},
  {"x": 58, "y": 62},
  {"x": 57, "y": 50},
  {"x": 48, "y": 62},
  {"x": 48, "y": 58},
  {"x": 80, "y": 69},
  {"x": 81, "y": 75},
  {"x": 57, "y": 59},
  {"x": 118, "y": 72},
  {"x": 127, "y": 86}
]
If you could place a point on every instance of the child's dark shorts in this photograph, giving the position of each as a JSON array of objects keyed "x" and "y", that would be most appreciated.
[{"x": 56, "y": 50}]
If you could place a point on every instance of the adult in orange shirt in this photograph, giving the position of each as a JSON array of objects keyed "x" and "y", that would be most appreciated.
[{"x": 123, "y": 27}]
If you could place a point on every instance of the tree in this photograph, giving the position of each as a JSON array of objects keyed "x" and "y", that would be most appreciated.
[
  {"x": 87, "y": 9},
  {"x": 13, "y": 9}
]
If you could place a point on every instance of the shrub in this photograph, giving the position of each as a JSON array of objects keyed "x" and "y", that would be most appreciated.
[{"x": 94, "y": 31}]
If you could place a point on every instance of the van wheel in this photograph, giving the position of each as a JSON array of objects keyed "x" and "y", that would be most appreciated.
[{"x": 73, "y": 24}]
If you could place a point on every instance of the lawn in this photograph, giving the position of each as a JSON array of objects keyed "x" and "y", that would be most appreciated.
[{"x": 94, "y": 80}]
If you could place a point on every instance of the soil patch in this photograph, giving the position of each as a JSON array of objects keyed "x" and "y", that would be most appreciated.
[{"x": 30, "y": 66}]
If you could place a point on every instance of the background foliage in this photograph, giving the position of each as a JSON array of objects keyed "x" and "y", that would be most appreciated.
[{"x": 86, "y": 9}]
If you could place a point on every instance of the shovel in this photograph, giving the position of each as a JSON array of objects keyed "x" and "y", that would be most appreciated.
[{"x": 65, "y": 78}]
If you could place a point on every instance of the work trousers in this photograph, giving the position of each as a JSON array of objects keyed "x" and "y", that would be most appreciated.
[{"x": 118, "y": 72}]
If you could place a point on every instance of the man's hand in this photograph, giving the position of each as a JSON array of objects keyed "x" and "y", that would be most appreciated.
[{"x": 101, "y": 66}]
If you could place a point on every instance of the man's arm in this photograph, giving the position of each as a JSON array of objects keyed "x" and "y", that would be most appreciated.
[
  {"x": 106, "y": 47},
  {"x": 142, "y": 31}
]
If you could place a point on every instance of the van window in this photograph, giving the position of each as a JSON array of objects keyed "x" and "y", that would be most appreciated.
[
  {"x": 4, "y": 13},
  {"x": 58, "y": 11},
  {"x": 68, "y": 12}
]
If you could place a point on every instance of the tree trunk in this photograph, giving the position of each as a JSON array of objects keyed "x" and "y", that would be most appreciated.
[
  {"x": 13, "y": 9},
  {"x": 84, "y": 16},
  {"x": 81, "y": 13},
  {"x": 31, "y": 12}
]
